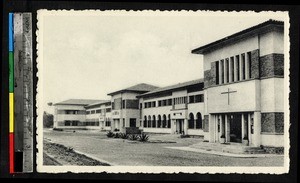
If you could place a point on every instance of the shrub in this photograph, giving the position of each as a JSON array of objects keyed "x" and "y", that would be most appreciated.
[
  {"x": 133, "y": 137},
  {"x": 184, "y": 136},
  {"x": 110, "y": 134},
  {"x": 143, "y": 137},
  {"x": 123, "y": 135},
  {"x": 117, "y": 135},
  {"x": 116, "y": 130}
]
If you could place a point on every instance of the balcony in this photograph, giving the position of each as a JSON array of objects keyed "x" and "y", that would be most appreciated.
[{"x": 76, "y": 117}]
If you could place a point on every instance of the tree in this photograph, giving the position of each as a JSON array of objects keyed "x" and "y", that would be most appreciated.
[{"x": 47, "y": 120}]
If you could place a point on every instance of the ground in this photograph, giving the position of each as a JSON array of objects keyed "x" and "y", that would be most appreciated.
[{"x": 126, "y": 152}]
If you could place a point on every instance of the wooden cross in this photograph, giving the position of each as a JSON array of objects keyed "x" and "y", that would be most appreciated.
[{"x": 228, "y": 92}]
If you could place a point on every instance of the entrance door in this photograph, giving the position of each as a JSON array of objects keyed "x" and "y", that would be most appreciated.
[
  {"x": 132, "y": 122},
  {"x": 179, "y": 125},
  {"x": 236, "y": 128}
]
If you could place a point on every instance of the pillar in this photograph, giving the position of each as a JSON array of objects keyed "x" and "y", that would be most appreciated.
[
  {"x": 247, "y": 74},
  {"x": 241, "y": 67},
  {"x": 243, "y": 126},
  {"x": 227, "y": 127},
  {"x": 225, "y": 71},
  {"x": 185, "y": 126},
  {"x": 230, "y": 71},
  {"x": 256, "y": 137},
  {"x": 221, "y": 126},
  {"x": 249, "y": 128}
]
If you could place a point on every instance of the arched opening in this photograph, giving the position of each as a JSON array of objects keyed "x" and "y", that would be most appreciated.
[
  {"x": 149, "y": 121},
  {"x": 164, "y": 122},
  {"x": 153, "y": 122},
  {"x": 199, "y": 121},
  {"x": 191, "y": 121},
  {"x": 145, "y": 122},
  {"x": 159, "y": 122},
  {"x": 169, "y": 121}
]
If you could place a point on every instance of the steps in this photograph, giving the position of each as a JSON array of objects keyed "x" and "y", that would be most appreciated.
[{"x": 235, "y": 148}]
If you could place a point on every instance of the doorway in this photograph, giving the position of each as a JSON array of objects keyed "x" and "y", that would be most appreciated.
[
  {"x": 236, "y": 128},
  {"x": 132, "y": 122}
]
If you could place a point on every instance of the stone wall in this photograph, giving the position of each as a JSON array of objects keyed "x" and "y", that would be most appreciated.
[
  {"x": 254, "y": 64},
  {"x": 272, "y": 122},
  {"x": 272, "y": 65}
]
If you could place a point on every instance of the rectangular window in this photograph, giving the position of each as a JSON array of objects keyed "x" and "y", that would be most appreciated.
[
  {"x": 227, "y": 70},
  {"x": 153, "y": 104},
  {"x": 232, "y": 68},
  {"x": 169, "y": 101},
  {"x": 88, "y": 112},
  {"x": 93, "y": 112},
  {"x": 249, "y": 63},
  {"x": 98, "y": 111},
  {"x": 113, "y": 106},
  {"x": 164, "y": 102},
  {"x": 222, "y": 71},
  {"x": 123, "y": 104},
  {"x": 237, "y": 57},
  {"x": 217, "y": 73},
  {"x": 243, "y": 67},
  {"x": 191, "y": 99},
  {"x": 159, "y": 103},
  {"x": 141, "y": 105},
  {"x": 108, "y": 109}
]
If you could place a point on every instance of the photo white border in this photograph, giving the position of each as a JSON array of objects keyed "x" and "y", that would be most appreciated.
[{"x": 158, "y": 169}]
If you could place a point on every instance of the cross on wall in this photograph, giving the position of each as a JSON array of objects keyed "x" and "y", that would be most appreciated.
[{"x": 228, "y": 92}]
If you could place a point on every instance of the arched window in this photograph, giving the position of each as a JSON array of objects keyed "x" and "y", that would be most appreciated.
[
  {"x": 153, "y": 121},
  {"x": 164, "y": 125},
  {"x": 145, "y": 121},
  {"x": 199, "y": 121},
  {"x": 169, "y": 121},
  {"x": 159, "y": 122},
  {"x": 191, "y": 121},
  {"x": 149, "y": 121}
]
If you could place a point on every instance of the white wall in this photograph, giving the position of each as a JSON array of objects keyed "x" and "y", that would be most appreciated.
[
  {"x": 272, "y": 96},
  {"x": 272, "y": 140},
  {"x": 237, "y": 48},
  {"x": 271, "y": 42}
]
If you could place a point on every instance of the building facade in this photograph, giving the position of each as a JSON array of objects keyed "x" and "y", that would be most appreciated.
[
  {"x": 239, "y": 100},
  {"x": 243, "y": 85}
]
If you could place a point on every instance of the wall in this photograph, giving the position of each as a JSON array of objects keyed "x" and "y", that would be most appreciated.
[
  {"x": 244, "y": 99},
  {"x": 272, "y": 140}
]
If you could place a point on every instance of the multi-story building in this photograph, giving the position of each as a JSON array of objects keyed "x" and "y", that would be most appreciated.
[
  {"x": 240, "y": 99},
  {"x": 244, "y": 86},
  {"x": 173, "y": 109},
  {"x": 71, "y": 113},
  {"x": 125, "y": 106}
]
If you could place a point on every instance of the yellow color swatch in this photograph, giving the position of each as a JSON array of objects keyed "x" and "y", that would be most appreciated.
[{"x": 11, "y": 112}]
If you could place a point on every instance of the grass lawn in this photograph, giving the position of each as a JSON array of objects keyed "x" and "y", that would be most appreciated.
[{"x": 125, "y": 152}]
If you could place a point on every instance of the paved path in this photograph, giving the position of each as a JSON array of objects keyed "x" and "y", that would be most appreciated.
[{"x": 124, "y": 152}]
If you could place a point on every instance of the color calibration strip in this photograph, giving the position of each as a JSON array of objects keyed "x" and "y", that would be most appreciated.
[
  {"x": 11, "y": 92},
  {"x": 20, "y": 93}
]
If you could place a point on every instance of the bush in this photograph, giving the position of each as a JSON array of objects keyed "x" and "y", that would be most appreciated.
[
  {"x": 133, "y": 137},
  {"x": 116, "y": 130},
  {"x": 143, "y": 137},
  {"x": 110, "y": 134},
  {"x": 117, "y": 135},
  {"x": 123, "y": 135},
  {"x": 184, "y": 136}
]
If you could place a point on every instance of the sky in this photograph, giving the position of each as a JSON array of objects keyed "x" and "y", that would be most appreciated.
[{"x": 89, "y": 54}]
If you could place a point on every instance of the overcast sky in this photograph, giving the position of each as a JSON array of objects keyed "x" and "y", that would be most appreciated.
[{"x": 91, "y": 54}]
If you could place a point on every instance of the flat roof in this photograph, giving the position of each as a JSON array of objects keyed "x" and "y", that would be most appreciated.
[
  {"x": 172, "y": 87},
  {"x": 263, "y": 27}
]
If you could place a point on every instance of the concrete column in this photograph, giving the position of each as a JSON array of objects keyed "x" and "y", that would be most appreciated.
[
  {"x": 225, "y": 71},
  {"x": 256, "y": 137},
  {"x": 249, "y": 128},
  {"x": 221, "y": 126},
  {"x": 211, "y": 128},
  {"x": 243, "y": 126},
  {"x": 185, "y": 126},
  {"x": 247, "y": 74},
  {"x": 220, "y": 72},
  {"x": 227, "y": 128},
  {"x": 230, "y": 71},
  {"x": 235, "y": 68},
  {"x": 241, "y": 68},
  {"x": 246, "y": 125}
]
